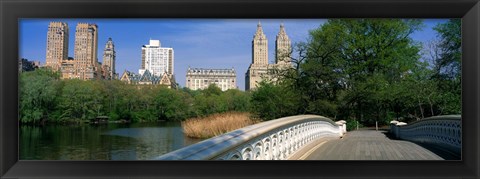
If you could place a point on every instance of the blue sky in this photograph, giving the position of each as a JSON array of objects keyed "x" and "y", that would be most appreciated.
[{"x": 201, "y": 43}]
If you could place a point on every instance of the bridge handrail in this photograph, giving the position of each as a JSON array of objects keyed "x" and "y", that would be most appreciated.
[
  {"x": 439, "y": 130},
  {"x": 274, "y": 139}
]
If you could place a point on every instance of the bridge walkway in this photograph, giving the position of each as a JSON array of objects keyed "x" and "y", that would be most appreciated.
[{"x": 369, "y": 145}]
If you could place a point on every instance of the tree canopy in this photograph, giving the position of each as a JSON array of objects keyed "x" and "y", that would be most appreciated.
[{"x": 46, "y": 98}]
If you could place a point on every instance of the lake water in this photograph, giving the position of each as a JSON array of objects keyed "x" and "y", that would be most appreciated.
[{"x": 140, "y": 141}]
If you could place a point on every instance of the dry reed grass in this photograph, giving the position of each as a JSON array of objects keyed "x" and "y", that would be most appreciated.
[{"x": 216, "y": 124}]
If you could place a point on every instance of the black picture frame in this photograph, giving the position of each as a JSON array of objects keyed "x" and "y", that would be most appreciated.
[{"x": 11, "y": 11}]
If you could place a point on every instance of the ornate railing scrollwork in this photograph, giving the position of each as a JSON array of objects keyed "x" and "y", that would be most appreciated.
[
  {"x": 445, "y": 131},
  {"x": 271, "y": 140}
]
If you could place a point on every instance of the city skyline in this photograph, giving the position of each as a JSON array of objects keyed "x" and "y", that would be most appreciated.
[{"x": 199, "y": 43}]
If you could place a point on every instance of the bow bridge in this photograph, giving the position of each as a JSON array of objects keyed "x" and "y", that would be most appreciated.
[{"x": 311, "y": 137}]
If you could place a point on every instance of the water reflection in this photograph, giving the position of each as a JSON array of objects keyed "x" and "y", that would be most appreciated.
[{"x": 101, "y": 142}]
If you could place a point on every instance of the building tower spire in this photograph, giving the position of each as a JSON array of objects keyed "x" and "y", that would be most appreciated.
[
  {"x": 282, "y": 29},
  {"x": 259, "y": 31}
]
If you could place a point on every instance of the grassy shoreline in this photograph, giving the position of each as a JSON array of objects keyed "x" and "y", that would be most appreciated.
[{"x": 216, "y": 124}]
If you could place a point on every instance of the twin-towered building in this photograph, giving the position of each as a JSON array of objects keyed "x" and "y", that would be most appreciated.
[
  {"x": 85, "y": 64},
  {"x": 260, "y": 69}
]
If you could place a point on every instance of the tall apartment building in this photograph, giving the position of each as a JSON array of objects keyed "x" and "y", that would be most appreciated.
[
  {"x": 108, "y": 66},
  {"x": 283, "y": 47},
  {"x": 259, "y": 66},
  {"x": 260, "y": 69},
  {"x": 57, "y": 44},
  {"x": 85, "y": 64},
  {"x": 201, "y": 78},
  {"x": 156, "y": 59},
  {"x": 259, "y": 47},
  {"x": 85, "y": 54}
]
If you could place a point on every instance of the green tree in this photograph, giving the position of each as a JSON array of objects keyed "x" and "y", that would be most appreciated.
[
  {"x": 212, "y": 89},
  {"x": 210, "y": 100},
  {"x": 80, "y": 100},
  {"x": 448, "y": 66},
  {"x": 126, "y": 100},
  {"x": 172, "y": 104},
  {"x": 347, "y": 67},
  {"x": 38, "y": 93},
  {"x": 112, "y": 98},
  {"x": 271, "y": 101},
  {"x": 144, "y": 108},
  {"x": 238, "y": 100}
]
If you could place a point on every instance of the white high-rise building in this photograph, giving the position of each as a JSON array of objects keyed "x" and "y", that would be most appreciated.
[{"x": 156, "y": 59}]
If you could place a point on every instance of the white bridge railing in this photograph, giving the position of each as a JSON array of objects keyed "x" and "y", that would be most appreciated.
[
  {"x": 445, "y": 131},
  {"x": 272, "y": 140}
]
